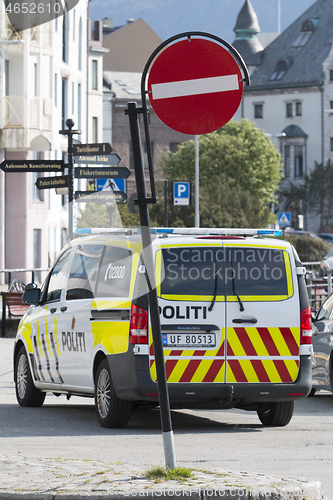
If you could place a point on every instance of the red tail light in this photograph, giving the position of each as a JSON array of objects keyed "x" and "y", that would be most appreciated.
[
  {"x": 139, "y": 326},
  {"x": 306, "y": 326}
]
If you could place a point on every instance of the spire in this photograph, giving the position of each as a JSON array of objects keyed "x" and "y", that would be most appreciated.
[{"x": 247, "y": 29}]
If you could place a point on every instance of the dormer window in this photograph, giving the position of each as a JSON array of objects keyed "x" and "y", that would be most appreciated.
[
  {"x": 305, "y": 33},
  {"x": 280, "y": 70}
]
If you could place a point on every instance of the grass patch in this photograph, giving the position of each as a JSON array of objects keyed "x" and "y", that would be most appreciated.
[{"x": 179, "y": 473}]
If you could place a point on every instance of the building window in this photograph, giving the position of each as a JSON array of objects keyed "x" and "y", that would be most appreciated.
[
  {"x": 331, "y": 104},
  {"x": 331, "y": 143},
  {"x": 35, "y": 80},
  {"x": 37, "y": 242},
  {"x": 145, "y": 155},
  {"x": 64, "y": 37},
  {"x": 289, "y": 109},
  {"x": 331, "y": 75},
  {"x": 258, "y": 111},
  {"x": 287, "y": 161},
  {"x": 73, "y": 93},
  {"x": 298, "y": 109},
  {"x": 55, "y": 89},
  {"x": 95, "y": 129},
  {"x": 280, "y": 70},
  {"x": 173, "y": 147},
  {"x": 63, "y": 102},
  {"x": 131, "y": 159},
  {"x": 73, "y": 24},
  {"x": 80, "y": 45},
  {"x": 79, "y": 115},
  {"x": 298, "y": 161},
  {"x": 94, "y": 74},
  {"x": 304, "y": 35}
]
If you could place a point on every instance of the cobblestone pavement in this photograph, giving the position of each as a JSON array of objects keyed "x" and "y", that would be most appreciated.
[{"x": 51, "y": 479}]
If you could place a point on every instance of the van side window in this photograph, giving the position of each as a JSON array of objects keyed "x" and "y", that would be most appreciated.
[
  {"x": 114, "y": 275},
  {"x": 83, "y": 272},
  {"x": 56, "y": 281}
]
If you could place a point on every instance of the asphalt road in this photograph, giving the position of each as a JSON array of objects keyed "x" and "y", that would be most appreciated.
[{"x": 230, "y": 440}]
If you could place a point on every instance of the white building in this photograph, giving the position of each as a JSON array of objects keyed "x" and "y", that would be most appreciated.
[
  {"x": 43, "y": 82},
  {"x": 291, "y": 92}
]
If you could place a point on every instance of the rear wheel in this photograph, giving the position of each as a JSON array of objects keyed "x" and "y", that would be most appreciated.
[
  {"x": 111, "y": 411},
  {"x": 276, "y": 414},
  {"x": 312, "y": 393},
  {"x": 26, "y": 393}
]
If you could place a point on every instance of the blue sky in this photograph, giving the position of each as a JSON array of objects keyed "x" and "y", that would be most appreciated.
[{"x": 169, "y": 17}]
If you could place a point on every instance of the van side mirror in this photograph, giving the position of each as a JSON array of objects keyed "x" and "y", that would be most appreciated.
[
  {"x": 31, "y": 296},
  {"x": 30, "y": 286}
]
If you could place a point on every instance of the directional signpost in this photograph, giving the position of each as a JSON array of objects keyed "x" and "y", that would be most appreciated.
[
  {"x": 52, "y": 182},
  {"x": 101, "y": 173},
  {"x": 112, "y": 159},
  {"x": 100, "y": 196},
  {"x": 32, "y": 166},
  {"x": 103, "y": 148}
]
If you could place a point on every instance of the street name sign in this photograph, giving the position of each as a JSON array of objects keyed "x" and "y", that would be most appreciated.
[
  {"x": 32, "y": 166},
  {"x": 195, "y": 86},
  {"x": 52, "y": 182},
  {"x": 112, "y": 159},
  {"x": 100, "y": 196},
  {"x": 101, "y": 172},
  {"x": 103, "y": 148}
]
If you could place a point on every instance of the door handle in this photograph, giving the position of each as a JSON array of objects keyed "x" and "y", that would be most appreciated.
[
  {"x": 245, "y": 320},
  {"x": 53, "y": 310},
  {"x": 63, "y": 308}
]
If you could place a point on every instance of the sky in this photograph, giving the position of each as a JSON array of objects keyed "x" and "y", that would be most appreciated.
[{"x": 170, "y": 17}]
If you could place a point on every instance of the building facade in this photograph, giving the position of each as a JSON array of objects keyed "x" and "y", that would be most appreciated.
[
  {"x": 291, "y": 92},
  {"x": 43, "y": 82}
]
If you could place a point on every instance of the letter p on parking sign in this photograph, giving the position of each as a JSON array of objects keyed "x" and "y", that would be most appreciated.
[{"x": 181, "y": 193}]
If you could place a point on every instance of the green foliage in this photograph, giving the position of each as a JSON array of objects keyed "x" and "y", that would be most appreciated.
[
  {"x": 178, "y": 473},
  {"x": 309, "y": 249},
  {"x": 316, "y": 193},
  {"x": 240, "y": 170},
  {"x": 93, "y": 215}
]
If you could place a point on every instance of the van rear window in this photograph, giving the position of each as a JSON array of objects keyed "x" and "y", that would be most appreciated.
[
  {"x": 114, "y": 275},
  {"x": 252, "y": 271}
]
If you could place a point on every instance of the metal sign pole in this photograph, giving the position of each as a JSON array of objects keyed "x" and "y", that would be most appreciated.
[{"x": 142, "y": 202}]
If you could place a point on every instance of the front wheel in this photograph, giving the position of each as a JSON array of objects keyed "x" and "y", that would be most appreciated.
[
  {"x": 276, "y": 414},
  {"x": 26, "y": 393},
  {"x": 111, "y": 411}
]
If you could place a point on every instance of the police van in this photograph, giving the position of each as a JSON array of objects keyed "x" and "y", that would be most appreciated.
[{"x": 234, "y": 313}]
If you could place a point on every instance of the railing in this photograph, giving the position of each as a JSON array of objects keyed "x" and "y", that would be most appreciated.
[
  {"x": 9, "y": 272},
  {"x": 318, "y": 286},
  {"x": 13, "y": 111}
]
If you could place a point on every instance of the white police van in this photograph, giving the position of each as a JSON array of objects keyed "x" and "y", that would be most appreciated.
[{"x": 235, "y": 321}]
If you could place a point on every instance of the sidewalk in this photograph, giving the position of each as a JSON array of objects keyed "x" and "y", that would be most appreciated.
[{"x": 51, "y": 479}]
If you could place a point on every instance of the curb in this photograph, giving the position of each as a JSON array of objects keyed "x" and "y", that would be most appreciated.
[{"x": 24, "y": 478}]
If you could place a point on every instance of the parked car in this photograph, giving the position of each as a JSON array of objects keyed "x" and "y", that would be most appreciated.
[
  {"x": 322, "y": 338},
  {"x": 327, "y": 237}
]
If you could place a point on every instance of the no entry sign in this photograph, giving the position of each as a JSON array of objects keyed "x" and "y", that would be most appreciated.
[{"x": 195, "y": 86}]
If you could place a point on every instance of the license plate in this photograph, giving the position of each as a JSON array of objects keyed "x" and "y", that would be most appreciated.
[{"x": 189, "y": 339}]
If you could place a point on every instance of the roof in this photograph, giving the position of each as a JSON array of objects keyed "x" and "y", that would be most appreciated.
[
  {"x": 124, "y": 84},
  {"x": 247, "y": 18},
  {"x": 250, "y": 50},
  {"x": 303, "y": 63},
  {"x": 294, "y": 131}
]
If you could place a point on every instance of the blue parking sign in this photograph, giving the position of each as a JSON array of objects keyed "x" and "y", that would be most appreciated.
[{"x": 181, "y": 193}]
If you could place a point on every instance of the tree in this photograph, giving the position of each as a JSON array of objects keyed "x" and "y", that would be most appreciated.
[
  {"x": 240, "y": 170},
  {"x": 316, "y": 193}
]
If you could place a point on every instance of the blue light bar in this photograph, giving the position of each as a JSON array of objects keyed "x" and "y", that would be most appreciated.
[
  {"x": 270, "y": 232},
  {"x": 83, "y": 230}
]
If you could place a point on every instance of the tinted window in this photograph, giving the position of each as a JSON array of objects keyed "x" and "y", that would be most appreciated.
[
  {"x": 56, "y": 281},
  {"x": 252, "y": 271},
  {"x": 115, "y": 273},
  {"x": 83, "y": 273}
]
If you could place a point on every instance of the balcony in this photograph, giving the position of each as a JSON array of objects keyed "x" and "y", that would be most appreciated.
[{"x": 14, "y": 113}]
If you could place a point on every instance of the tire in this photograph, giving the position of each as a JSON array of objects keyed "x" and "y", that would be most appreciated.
[
  {"x": 111, "y": 411},
  {"x": 312, "y": 393},
  {"x": 276, "y": 414},
  {"x": 26, "y": 393}
]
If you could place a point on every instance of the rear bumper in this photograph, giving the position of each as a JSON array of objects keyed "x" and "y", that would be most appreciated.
[{"x": 132, "y": 382}]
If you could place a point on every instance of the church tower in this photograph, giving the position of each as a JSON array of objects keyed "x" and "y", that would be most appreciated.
[{"x": 247, "y": 42}]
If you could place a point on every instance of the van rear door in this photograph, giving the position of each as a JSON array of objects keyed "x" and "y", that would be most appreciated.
[{"x": 262, "y": 314}]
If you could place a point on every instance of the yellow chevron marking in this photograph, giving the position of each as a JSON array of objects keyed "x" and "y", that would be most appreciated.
[
  {"x": 39, "y": 342},
  {"x": 249, "y": 371},
  {"x": 235, "y": 343},
  {"x": 271, "y": 370},
  {"x": 55, "y": 326},
  {"x": 292, "y": 368}
]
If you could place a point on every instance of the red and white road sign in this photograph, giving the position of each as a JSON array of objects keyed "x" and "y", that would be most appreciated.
[{"x": 195, "y": 86}]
